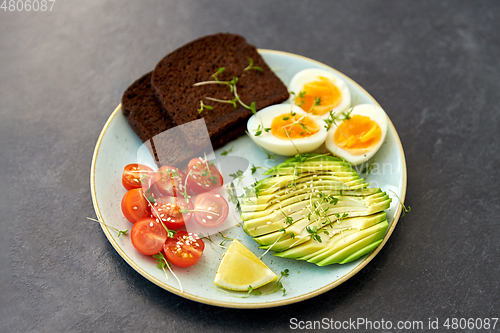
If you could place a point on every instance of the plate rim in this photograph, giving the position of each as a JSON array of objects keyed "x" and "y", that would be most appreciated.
[{"x": 269, "y": 304}]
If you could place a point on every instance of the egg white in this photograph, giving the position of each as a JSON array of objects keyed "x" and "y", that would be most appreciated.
[
  {"x": 312, "y": 74},
  {"x": 376, "y": 114},
  {"x": 280, "y": 146}
]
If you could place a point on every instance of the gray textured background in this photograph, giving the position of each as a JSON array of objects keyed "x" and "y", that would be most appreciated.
[{"x": 434, "y": 66}]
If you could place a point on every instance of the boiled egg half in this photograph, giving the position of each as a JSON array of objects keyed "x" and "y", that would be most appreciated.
[
  {"x": 359, "y": 136},
  {"x": 318, "y": 91},
  {"x": 286, "y": 129}
]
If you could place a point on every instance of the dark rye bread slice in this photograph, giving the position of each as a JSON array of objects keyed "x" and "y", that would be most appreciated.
[
  {"x": 147, "y": 120},
  {"x": 174, "y": 76},
  {"x": 140, "y": 105}
]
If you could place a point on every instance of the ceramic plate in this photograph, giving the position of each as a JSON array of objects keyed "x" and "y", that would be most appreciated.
[{"x": 117, "y": 146}]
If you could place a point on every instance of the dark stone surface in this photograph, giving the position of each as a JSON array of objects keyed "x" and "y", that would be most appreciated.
[{"x": 434, "y": 66}]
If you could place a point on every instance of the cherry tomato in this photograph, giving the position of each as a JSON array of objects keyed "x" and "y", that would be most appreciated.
[
  {"x": 168, "y": 209},
  {"x": 134, "y": 173},
  {"x": 184, "y": 249},
  {"x": 203, "y": 176},
  {"x": 170, "y": 181},
  {"x": 148, "y": 236},
  {"x": 134, "y": 205},
  {"x": 210, "y": 209}
]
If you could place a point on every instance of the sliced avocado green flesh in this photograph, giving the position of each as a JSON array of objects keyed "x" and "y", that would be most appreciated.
[
  {"x": 290, "y": 196},
  {"x": 289, "y": 192},
  {"x": 346, "y": 251},
  {"x": 274, "y": 183},
  {"x": 292, "y": 205},
  {"x": 265, "y": 225},
  {"x": 357, "y": 223},
  {"x": 361, "y": 252},
  {"x": 347, "y": 241},
  {"x": 285, "y": 244},
  {"x": 311, "y": 246},
  {"x": 291, "y": 167}
]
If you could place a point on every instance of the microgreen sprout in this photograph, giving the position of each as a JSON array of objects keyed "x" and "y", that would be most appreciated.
[
  {"x": 219, "y": 71},
  {"x": 254, "y": 168},
  {"x": 278, "y": 287},
  {"x": 120, "y": 232},
  {"x": 149, "y": 196},
  {"x": 185, "y": 211},
  {"x": 252, "y": 67},
  {"x": 225, "y": 152},
  {"x": 269, "y": 156},
  {"x": 206, "y": 171},
  {"x": 288, "y": 219},
  {"x": 302, "y": 96},
  {"x": 332, "y": 118},
  {"x": 203, "y": 106},
  {"x": 238, "y": 175},
  {"x": 161, "y": 262},
  {"x": 233, "y": 198},
  {"x": 184, "y": 193},
  {"x": 232, "y": 87},
  {"x": 170, "y": 233},
  {"x": 314, "y": 231},
  {"x": 369, "y": 167},
  {"x": 225, "y": 239},
  {"x": 252, "y": 292},
  {"x": 317, "y": 102},
  {"x": 279, "y": 284},
  {"x": 404, "y": 209},
  {"x": 259, "y": 129},
  {"x": 212, "y": 242}
]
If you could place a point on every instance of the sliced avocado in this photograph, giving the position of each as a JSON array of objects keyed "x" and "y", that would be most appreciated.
[
  {"x": 337, "y": 230},
  {"x": 284, "y": 244},
  {"x": 287, "y": 196},
  {"x": 303, "y": 251},
  {"x": 362, "y": 252},
  {"x": 254, "y": 203},
  {"x": 357, "y": 223},
  {"x": 300, "y": 201},
  {"x": 276, "y": 220},
  {"x": 345, "y": 242},
  {"x": 349, "y": 250}
]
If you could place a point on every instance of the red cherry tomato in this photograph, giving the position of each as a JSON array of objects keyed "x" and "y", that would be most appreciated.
[
  {"x": 184, "y": 249},
  {"x": 134, "y": 205},
  {"x": 170, "y": 181},
  {"x": 210, "y": 209},
  {"x": 134, "y": 173},
  {"x": 203, "y": 176},
  {"x": 148, "y": 236},
  {"x": 168, "y": 209}
]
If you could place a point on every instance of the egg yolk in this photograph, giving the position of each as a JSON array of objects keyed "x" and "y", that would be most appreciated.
[
  {"x": 357, "y": 135},
  {"x": 288, "y": 127},
  {"x": 319, "y": 97}
]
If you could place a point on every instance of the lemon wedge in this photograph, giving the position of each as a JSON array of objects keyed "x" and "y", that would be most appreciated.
[{"x": 240, "y": 268}]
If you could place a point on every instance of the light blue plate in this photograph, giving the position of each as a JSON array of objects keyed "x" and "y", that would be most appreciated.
[{"x": 117, "y": 146}]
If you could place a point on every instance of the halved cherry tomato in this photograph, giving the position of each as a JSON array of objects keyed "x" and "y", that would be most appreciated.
[
  {"x": 210, "y": 209},
  {"x": 134, "y": 173},
  {"x": 134, "y": 205},
  {"x": 184, "y": 249},
  {"x": 170, "y": 181},
  {"x": 203, "y": 176},
  {"x": 168, "y": 209},
  {"x": 148, "y": 236}
]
